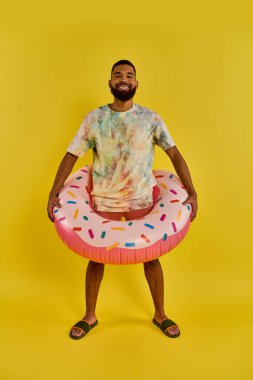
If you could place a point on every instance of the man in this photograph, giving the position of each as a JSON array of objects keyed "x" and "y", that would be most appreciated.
[{"x": 122, "y": 136}]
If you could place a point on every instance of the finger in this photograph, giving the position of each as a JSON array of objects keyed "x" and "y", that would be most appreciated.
[
  {"x": 58, "y": 203},
  {"x": 193, "y": 216},
  {"x": 51, "y": 217},
  {"x": 55, "y": 203},
  {"x": 50, "y": 211}
]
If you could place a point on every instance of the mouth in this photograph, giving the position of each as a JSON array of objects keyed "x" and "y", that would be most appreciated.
[{"x": 124, "y": 87}]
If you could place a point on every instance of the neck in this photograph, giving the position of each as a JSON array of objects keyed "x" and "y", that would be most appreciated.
[{"x": 121, "y": 105}]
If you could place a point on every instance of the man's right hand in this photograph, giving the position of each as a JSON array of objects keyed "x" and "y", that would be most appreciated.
[
  {"x": 52, "y": 201},
  {"x": 63, "y": 172}
]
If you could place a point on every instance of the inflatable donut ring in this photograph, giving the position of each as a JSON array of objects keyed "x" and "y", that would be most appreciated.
[{"x": 121, "y": 242}]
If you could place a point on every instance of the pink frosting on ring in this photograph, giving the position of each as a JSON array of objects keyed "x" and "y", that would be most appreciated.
[{"x": 122, "y": 242}]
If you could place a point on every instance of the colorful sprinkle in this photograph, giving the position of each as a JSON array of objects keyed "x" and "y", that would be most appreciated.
[
  {"x": 160, "y": 199},
  {"x": 76, "y": 213},
  {"x": 154, "y": 212},
  {"x": 123, "y": 219},
  {"x": 85, "y": 217},
  {"x": 91, "y": 234},
  {"x": 173, "y": 191},
  {"x": 189, "y": 208},
  {"x": 106, "y": 221},
  {"x": 163, "y": 185},
  {"x": 129, "y": 244},
  {"x": 55, "y": 211},
  {"x": 161, "y": 205},
  {"x": 179, "y": 215},
  {"x": 103, "y": 233},
  {"x": 118, "y": 228},
  {"x": 130, "y": 223},
  {"x": 80, "y": 177},
  {"x": 71, "y": 194},
  {"x": 77, "y": 229},
  {"x": 83, "y": 170},
  {"x": 165, "y": 237},
  {"x": 159, "y": 176},
  {"x": 76, "y": 187},
  {"x": 87, "y": 202},
  {"x": 72, "y": 202},
  {"x": 174, "y": 227},
  {"x": 163, "y": 217},
  {"x": 112, "y": 246},
  {"x": 171, "y": 176},
  {"x": 149, "y": 226},
  {"x": 174, "y": 201},
  {"x": 64, "y": 217},
  {"x": 145, "y": 238}
]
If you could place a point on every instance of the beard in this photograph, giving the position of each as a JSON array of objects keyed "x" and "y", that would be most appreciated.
[{"x": 123, "y": 95}]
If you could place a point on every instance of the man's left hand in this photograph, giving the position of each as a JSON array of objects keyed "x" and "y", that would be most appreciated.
[{"x": 192, "y": 200}]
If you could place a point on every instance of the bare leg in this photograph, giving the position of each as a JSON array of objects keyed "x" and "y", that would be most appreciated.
[
  {"x": 94, "y": 275},
  {"x": 154, "y": 275}
]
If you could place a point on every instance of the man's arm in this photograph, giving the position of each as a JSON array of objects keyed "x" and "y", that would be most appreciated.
[
  {"x": 62, "y": 174},
  {"x": 184, "y": 174}
]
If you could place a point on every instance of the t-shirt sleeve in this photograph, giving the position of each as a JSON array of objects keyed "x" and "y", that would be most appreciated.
[
  {"x": 82, "y": 141},
  {"x": 161, "y": 135}
]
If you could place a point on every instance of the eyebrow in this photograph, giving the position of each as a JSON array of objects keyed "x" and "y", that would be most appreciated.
[{"x": 118, "y": 72}]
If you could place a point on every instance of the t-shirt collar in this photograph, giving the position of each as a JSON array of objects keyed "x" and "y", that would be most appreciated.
[{"x": 122, "y": 112}]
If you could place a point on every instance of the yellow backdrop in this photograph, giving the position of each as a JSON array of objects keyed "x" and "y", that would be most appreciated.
[{"x": 194, "y": 64}]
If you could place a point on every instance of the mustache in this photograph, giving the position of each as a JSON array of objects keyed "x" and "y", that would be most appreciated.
[{"x": 123, "y": 84}]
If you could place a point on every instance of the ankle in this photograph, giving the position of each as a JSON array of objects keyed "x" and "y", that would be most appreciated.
[
  {"x": 160, "y": 314},
  {"x": 90, "y": 316}
]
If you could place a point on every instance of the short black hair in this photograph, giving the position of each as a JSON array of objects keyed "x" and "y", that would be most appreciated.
[{"x": 123, "y": 62}]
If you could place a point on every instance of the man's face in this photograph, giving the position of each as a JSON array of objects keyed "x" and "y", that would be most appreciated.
[{"x": 123, "y": 83}]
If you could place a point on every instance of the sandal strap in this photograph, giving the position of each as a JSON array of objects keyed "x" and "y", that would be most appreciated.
[
  {"x": 83, "y": 325},
  {"x": 167, "y": 323}
]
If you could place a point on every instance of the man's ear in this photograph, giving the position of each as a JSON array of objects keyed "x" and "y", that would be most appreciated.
[
  {"x": 137, "y": 84},
  {"x": 109, "y": 82}
]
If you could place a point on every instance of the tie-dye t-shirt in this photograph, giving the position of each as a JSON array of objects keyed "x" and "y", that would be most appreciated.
[{"x": 123, "y": 151}]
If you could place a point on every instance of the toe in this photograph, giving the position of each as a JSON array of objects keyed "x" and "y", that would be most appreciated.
[
  {"x": 173, "y": 330},
  {"x": 76, "y": 331}
]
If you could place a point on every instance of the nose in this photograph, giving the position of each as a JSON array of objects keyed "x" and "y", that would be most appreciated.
[{"x": 124, "y": 78}]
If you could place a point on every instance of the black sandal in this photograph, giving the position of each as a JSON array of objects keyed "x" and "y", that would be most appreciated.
[
  {"x": 164, "y": 325},
  {"x": 84, "y": 326}
]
